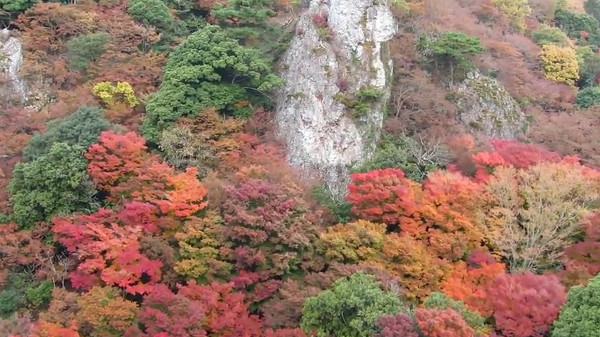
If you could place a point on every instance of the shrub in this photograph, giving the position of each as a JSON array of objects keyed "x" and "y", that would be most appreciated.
[
  {"x": 560, "y": 64},
  {"x": 320, "y": 19},
  {"x": 84, "y": 49},
  {"x": 550, "y": 35},
  {"x": 580, "y": 316},
  {"x": 588, "y": 97},
  {"x": 361, "y": 300}
]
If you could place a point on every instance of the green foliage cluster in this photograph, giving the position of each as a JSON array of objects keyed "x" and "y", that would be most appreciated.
[
  {"x": 587, "y": 97},
  {"x": 55, "y": 183},
  {"x": 350, "y": 309},
  {"x": 20, "y": 291},
  {"x": 17, "y": 5},
  {"x": 85, "y": 49},
  {"x": 248, "y": 12},
  {"x": 550, "y": 35},
  {"x": 339, "y": 207},
  {"x": 415, "y": 158},
  {"x": 452, "y": 50},
  {"x": 81, "y": 128},
  {"x": 208, "y": 70},
  {"x": 361, "y": 101},
  {"x": 151, "y": 12},
  {"x": 592, "y": 7},
  {"x": 580, "y": 316},
  {"x": 573, "y": 24},
  {"x": 246, "y": 21}
]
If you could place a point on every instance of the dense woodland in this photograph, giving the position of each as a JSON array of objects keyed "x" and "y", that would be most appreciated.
[{"x": 143, "y": 192}]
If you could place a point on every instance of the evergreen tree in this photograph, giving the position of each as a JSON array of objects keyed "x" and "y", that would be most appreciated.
[
  {"x": 56, "y": 183},
  {"x": 351, "y": 309},
  {"x": 81, "y": 128}
]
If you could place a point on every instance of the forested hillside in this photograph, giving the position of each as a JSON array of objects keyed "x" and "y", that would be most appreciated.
[{"x": 145, "y": 189}]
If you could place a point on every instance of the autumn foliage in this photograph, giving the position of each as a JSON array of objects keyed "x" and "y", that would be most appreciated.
[
  {"x": 204, "y": 229},
  {"x": 107, "y": 244},
  {"x": 119, "y": 163},
  {"x": 525, "y": 304},
  {"x": 195, "y": 311},
  {"x": 469, "y": 281},
  {"x": 442, "y": 323}
]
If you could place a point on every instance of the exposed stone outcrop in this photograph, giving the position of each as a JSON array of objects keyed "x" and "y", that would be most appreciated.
[
  {"x": 486, "y": 107},
  {"x": 11, "y": 58},
  {"x": 337, "y": 76}
]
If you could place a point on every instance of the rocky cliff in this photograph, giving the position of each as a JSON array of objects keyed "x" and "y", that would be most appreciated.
[
  {"x": 11, "y": 58},
  {"x": 337, "y": 75}
]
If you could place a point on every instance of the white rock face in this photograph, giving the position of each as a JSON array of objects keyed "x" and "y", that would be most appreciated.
[
  {"x": 11, "y": 59},
  {"x": 350, "y": 53}
]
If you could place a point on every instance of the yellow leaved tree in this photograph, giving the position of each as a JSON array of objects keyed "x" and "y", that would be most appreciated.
[{"x": 560, "y": 64}]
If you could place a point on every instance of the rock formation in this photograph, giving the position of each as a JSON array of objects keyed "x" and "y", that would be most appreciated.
[
  {"x": 11, "y": 58},
  {"x": 486, "y": 107},
  {"x": 337, "y": 77}
]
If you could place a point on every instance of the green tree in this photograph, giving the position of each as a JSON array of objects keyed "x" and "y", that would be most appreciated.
[
  {"x": 81, "y": 128},
  {"x": 589, "y": 67},
  {"x": 84, "y": 49},
  {"x": 17, "y": 5},
  {"x": 208, "y": 70},
  {"x": 550, "y": 35},
  {"x": 351, "y": 309},
  {"x": 580, "y": 316},
  {"x": 40, "y": 294},
  {"x": 247, "y": 12},
  {"x": 20, "y": 291},
  {"x": 592, "y": 7},
  {"x": 249, "y": 16},
  {"x": 56, "y": 183},
  {"x": 151, "y": 12},
  {"x": 451, "y": 50},
  {"x": 573, "y": 24},
  {"x": 588, "y": 97}
]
